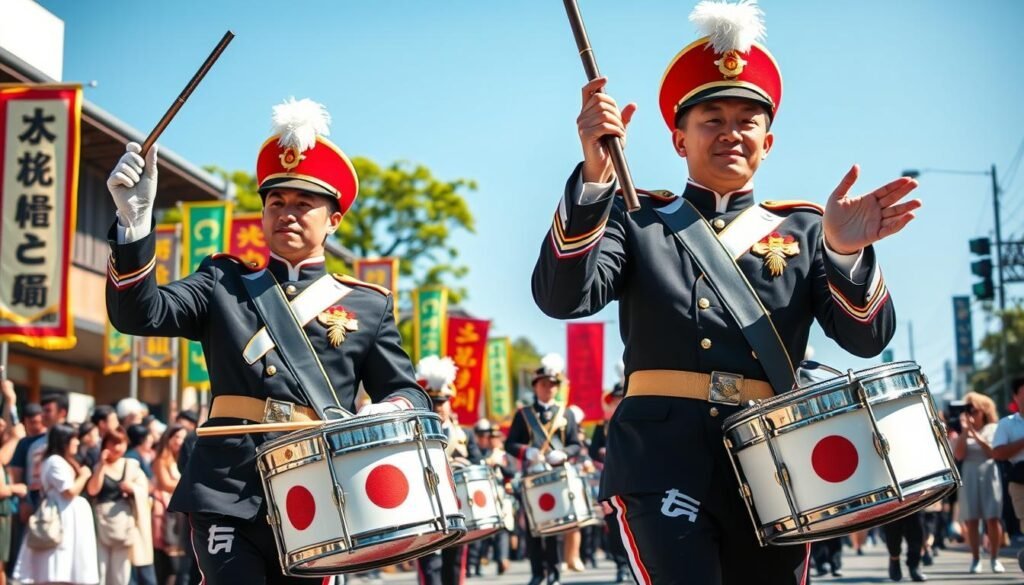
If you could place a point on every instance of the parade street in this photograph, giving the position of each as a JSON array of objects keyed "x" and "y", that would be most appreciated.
[{"x": 950, "y": 568}]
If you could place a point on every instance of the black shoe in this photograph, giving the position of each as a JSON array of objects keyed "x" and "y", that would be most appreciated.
[
  {"x": 926, "y": 559},
  {"x": 554, "y": 578},
  {"x": 916, "y": 575},
  {"x": 895, "y": 572},
  {"x": 822, "y": 571},
  {"x": 837, "y": 572},
  {"x": 620, "y": 575},
  {"x": 536, "y": 580}
]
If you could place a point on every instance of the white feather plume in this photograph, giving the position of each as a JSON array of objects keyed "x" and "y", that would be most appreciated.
[
  {"x": 620, "y": 369},
  {"x": 553, "y": 364},
  {"x": 437, "y": 372},
  {"x": 731, "y": 26},
  {"x": 299, "y": 122}
]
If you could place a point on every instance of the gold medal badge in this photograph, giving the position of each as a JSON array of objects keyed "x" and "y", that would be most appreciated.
[
  {"x": 339, "y": 323},
  {"x": 775, "y": 248}
]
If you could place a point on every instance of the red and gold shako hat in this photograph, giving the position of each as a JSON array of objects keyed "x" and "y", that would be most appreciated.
[
  {"x": 727, "y": 62},
  {"x": 436, "y": 375},
  {"x": 298, "y": 156}
]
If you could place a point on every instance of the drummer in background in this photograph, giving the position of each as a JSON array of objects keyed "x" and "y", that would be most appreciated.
[
  {"x": 436, "y": 375},
  {"x": 497, "y": 459},
  {"x": 666, "y": 471},
  {"x": 307, "y": 184},
  {"x": 528, "y": 440}
]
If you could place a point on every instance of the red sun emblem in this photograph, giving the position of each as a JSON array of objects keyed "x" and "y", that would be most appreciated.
[
  {"x": 834, "y": 459},
  {"x": 546, "y": 502},
  {"x": 479, "y": 499},
  {"x": 387, "y": 486},
  {"x": 300, "y": 507}
]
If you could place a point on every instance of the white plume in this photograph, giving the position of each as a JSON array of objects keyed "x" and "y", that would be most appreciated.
[
  {"x": 299, "y": 122},
  {"x": 436, "y": 371},
  {"x": 553, "y": 364},
  {"x": 731, "y": 26},
  {"x": 620, "y": 369}
]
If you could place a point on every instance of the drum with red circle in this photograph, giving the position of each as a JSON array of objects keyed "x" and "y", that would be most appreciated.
[
  {"x": 556, "y": 501},
  {"x": 840, "y": 455},
  {"x": 360, "y": 493},
  {"x": 480, "y": 497}
]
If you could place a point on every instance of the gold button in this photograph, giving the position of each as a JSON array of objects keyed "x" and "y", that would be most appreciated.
[
  {"x": 703, "y": 303},
  {"x": 271, "y": 370},
  {"x": 718, "y": 223},
  {"x": 290, "y": 289},
  {"x": 705, "y": 343},
  {"x": 753, "y": 354},
  {"x": 713, "y": 411}
]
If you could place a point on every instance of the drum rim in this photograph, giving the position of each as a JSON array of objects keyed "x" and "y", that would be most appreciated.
[
  {"x": 795, "y": 397},
  {"x": 354, "y": 422}
]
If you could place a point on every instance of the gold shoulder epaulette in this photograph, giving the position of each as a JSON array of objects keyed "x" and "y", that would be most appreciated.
[
  {"x": 794, "y": 205},
  {"x": 249, "y": 266},
  {"x": 658, "y": 194},
  {"x": 346, "y": 279}
]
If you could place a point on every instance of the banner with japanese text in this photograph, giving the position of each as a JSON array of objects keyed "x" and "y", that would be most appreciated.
[
  {"x": 156, "y": 354},
  {"x": 40, "y": 127},
  {"x": 206, "y": 226},
  {"x": 500, "y": 407},
  {"x": 117, "y": 354},
  {"x": 430, "y": 317},
  {"x": 585, "y": 368},
  {"x": 381, "y": 272},
  {"x": 247, "y": 241},
  {"x": 467, "y": 346}
]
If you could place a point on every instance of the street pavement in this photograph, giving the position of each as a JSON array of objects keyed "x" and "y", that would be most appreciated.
[{"x": 950, "y": 568}]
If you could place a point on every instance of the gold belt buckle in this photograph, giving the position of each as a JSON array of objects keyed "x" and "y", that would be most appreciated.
[
  {"x": 277, "y": 411},
  {"x": 725, "y": 388}
]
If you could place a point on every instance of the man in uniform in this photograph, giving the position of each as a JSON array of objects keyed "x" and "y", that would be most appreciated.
[
  {"x": 497, "y": 459},
  {"x": 688, "y": 362},
  {"x": 544, "y": 432},
  {"x": 436, "y": 375},
  {"x": 307, "y": 185}
]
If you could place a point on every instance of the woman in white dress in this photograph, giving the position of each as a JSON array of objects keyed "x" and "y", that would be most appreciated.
[
  {"x": 981, "y": 496},
  {"x": 74, "y": 560}
]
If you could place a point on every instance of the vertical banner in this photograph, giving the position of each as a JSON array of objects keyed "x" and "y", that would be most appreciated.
[
  {"x": 117, "y": 354},
  {"x": 205, "y": 229},
  {"x": 39, "y": 147},
  {"x": 586, "y": 367},
  {"x": 430, "y": 315},
  {"x": 156, "y": 354},
  {"x": 499, "y": 382},
  {"x": 381, "y": 272},
  {"x": 964, "y": 332},
  {"x": 247, "y": 241},
  {"x": 467, "y": 346}
]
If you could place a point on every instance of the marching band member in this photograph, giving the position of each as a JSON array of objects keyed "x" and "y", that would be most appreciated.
[
  {"x": 436, "y": 375},
  {"x": 544, "y": 432},
  {"x": 307, "y": 184},
  {"x": 689, "y": 363},
  {"x": 497, "y": 459}
]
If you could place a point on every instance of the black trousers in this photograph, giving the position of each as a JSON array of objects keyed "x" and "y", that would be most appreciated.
[
  {"x": 910, "y": 528},
  {"x": 545, "y": 553},
  {"x": 828, "y": 552},
  {"x": 232, "y": 551},
  {"x": 447, "y": 567},
  {"x": 712, "y": 544},
  {"x": 613, "y": 537}
]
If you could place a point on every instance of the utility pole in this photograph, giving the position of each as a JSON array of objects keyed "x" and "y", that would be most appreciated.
[
  {"x": 910, "y": 335},
  {"x": 1004, "y": 368}
]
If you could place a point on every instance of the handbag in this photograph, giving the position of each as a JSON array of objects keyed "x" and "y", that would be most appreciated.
[
  {"x": 115, "y": 521},
  {"x": 45, "y": 530}
]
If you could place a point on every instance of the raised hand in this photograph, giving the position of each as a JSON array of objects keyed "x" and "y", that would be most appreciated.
[
  {"x": 132, "y": 184},
  {"x": 600, "y": 117},
  {"x": 853, "y": 223}
]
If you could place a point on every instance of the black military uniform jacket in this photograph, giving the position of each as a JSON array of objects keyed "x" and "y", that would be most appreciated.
[
  {"x": 598, "y": 441},
  {"x": 212, "y": 306},
  {"x": 670, "y": 318},
  {"x": 521, "y": 436}
]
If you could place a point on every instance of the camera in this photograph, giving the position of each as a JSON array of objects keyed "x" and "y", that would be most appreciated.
[{"x": 953, "y": 411}]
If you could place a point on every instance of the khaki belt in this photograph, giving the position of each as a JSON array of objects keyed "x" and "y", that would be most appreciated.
[
  {"x": 261, "y": 411},
  {"x": 718, "y": 387}
]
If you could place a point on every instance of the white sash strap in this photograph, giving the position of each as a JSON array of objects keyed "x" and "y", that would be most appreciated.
[
  {"x": 320, "y": 295},
  {"x": 747, "y": 229}
]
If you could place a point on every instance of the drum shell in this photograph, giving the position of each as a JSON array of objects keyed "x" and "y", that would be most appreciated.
[
  {"x": 480, "y": 500},
  {"x": 556, "y": 501}
]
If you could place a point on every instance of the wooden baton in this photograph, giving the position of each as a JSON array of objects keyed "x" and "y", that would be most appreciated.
[{"x": 611, "y": 143}]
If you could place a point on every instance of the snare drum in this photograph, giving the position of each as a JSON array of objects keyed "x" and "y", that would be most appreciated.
[
  {"x": 841, "y": 455},
  {"x": 480, "y": 499},
  {"x": 360, "y": 493},
  {"x": 556, "y": 501}
]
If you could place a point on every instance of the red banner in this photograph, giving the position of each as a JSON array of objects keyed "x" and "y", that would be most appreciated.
[
  {"x": 247, "y": 241},
  {"x": 586, "y": 368},
  {"x": 39, "y": 147},
  {"x": 467, "y": 346},
  {"x": 379, "y": 271}
]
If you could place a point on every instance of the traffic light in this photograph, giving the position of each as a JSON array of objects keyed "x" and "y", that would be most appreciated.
[{"x": 984, "y": 290}]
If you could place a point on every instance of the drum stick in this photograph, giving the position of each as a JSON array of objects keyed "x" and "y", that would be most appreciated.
[
  {"x": 185, "y": 93},
  {"x": 611, "y": 143},
  {"x": 257, "y": 428}
]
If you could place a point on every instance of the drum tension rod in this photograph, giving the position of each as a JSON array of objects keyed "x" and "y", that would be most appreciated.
[{"x": 880, "y": 442}]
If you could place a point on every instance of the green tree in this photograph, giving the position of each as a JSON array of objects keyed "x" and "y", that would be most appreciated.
[
  {"x": 988, "y": 380},
  {"x": 524, "y": 358}
]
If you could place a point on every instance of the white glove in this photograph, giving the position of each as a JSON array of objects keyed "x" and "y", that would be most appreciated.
[
  {"x": 132, "y": 184},
  {"x": 556, "y": 457},
  {"x": 532, "y": 455},
  {"x": 378, "y": 408}
]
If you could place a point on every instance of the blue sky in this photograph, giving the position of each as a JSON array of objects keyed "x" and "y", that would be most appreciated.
[{"x": 490, "y": 91}]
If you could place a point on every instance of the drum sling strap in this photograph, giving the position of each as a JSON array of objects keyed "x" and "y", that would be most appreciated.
[
  {"x": 732, "y": 286},
  {"x": 292, "y": 345},
  {"x": 542, "y": 434}
]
